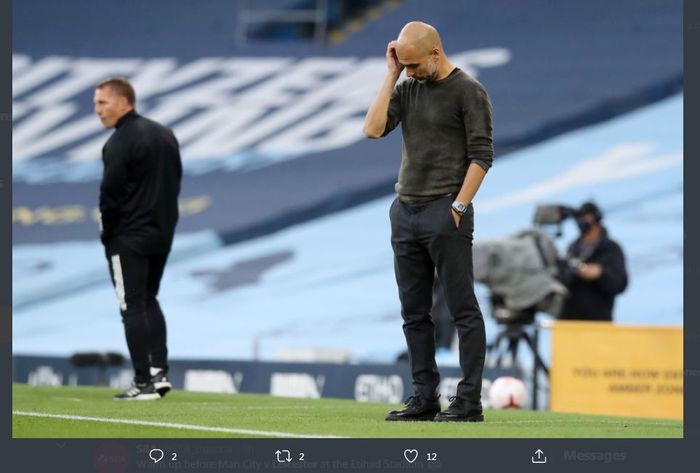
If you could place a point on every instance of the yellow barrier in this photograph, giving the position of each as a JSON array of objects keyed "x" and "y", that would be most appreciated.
[{"x": 602, "y": 368}]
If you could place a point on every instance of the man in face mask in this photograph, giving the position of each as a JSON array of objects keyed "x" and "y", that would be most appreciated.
[{"x": 596, "y": 269}]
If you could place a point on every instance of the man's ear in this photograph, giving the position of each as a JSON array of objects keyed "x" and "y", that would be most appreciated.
[{"x": 124, "y": 102}]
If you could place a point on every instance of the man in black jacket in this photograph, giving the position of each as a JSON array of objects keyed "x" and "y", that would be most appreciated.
[
  {"x": 139, "y": 211},
  {"x": 596, "y": 272}
]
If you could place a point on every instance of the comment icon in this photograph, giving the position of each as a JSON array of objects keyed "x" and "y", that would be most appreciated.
[{"x": 156, "y": 454}]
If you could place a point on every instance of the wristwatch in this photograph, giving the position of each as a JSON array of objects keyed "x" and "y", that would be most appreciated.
[{"x": 459, "y": 207}]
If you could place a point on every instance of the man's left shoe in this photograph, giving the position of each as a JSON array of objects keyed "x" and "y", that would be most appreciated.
[
  {"x": 161, "y": 383},
  {"x": 138, "y": 392},
  {"x": 460, "y": 411}
]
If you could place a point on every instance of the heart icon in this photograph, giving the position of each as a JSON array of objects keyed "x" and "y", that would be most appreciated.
[{"x": 410, "y": 455}]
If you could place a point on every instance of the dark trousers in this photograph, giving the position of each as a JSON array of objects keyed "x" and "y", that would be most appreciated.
[
  {"x": 424, "y": 238},
  {"x": 136, "y": 280},
  {"x": 444, "y": 329}
]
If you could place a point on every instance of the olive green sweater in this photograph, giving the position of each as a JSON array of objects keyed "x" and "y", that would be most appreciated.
[{"x": 446, "y": 125}]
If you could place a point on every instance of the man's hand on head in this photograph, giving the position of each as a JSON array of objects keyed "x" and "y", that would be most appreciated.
[{"x": 392, "y": 61}]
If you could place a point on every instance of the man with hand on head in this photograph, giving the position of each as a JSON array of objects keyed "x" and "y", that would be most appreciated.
[
  {"x": 139, "y": 210},
  {"x": 445, "y": 118}
]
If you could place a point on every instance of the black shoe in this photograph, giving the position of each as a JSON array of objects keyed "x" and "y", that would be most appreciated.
[
  {"x": 417, "y": 408},
  {"x": 139, "y": 392},
  {"x": 460, "y": 411},
  {"x": 161, "y": 382}
]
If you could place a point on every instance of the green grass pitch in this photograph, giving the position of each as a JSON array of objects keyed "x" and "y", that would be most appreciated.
[{"x": 86, "y": 412}]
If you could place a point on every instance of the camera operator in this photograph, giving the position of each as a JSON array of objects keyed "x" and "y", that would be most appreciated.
[{"x": 594, "y": 269}]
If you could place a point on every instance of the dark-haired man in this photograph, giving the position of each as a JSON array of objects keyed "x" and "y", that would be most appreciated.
[
  {"x": 139, "y": 210},
  {"x": 596, "y": 271}
]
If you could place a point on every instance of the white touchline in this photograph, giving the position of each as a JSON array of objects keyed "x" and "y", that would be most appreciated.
[{"x": 202, "y": 428}]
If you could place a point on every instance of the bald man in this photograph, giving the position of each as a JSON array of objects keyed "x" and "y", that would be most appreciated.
[{"x": 445, "y": 118}]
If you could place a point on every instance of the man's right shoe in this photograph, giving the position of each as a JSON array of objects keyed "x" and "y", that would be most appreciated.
[
  {"x": 161, "y": 383},
  {"x": 460, "y": 411},
  {"x": 417, "y": 408},
  {"x": 139, "y": 392}
]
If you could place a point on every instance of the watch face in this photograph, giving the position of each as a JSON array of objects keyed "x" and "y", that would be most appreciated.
[{"x": 459, "y": 207}]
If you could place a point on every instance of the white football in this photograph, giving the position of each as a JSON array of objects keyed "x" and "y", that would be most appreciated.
[{"x": 507, "y": 393}]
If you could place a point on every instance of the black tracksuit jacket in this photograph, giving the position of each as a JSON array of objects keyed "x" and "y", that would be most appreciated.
[
  {"x": 140, "y": 186},
  {"x": 594, "y": 300}
]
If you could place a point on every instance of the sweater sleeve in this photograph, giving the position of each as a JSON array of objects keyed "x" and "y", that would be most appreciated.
[
  {"x": 477, "y": 111},
  {"x": 394, "y": 113}
]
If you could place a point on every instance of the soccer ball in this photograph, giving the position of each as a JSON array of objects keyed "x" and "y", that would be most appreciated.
[{"x": 507, "y": 393}]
